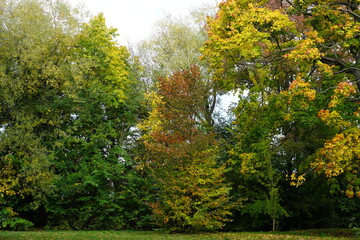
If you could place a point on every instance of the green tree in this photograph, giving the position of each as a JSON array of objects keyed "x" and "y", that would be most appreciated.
[
  {"x": 174, "y": 45},
  {"x": 36, "y": 41},
  {"x": 93, "y": 154},
  {"x": 69, "y": 98}
]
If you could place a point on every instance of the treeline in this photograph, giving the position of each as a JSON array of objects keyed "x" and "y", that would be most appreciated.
[{"x": 100, "y": 136}]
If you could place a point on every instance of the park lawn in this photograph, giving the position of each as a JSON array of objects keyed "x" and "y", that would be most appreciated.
[{"x": 152, "y": 235}]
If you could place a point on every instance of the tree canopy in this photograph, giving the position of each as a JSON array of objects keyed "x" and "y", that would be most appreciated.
[{"x": 96, "y": 136}]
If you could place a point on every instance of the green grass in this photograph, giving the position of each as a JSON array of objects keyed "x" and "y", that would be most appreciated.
[{"x": 335, "y": 234}]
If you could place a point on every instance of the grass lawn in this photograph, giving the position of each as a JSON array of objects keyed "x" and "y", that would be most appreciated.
[{"x": 334, "y": 234}]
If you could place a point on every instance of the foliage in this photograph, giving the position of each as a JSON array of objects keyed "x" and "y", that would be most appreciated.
[
  {"x": 295, "y": 64},
  {"x": 67, "y": 107},
  {"x": 191, "y": 195},
  {"x": 94, "y": 162},
  {"x": 340, "y": 155},
  {"x": 34, "y": 79},
  {"x": 8, "y": 220},
  {"x": 73, "y": 156},
  {"x": 175, "y": 44}
]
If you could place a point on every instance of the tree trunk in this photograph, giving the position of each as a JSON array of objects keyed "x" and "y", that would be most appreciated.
[{"x": 274, "y": 224}]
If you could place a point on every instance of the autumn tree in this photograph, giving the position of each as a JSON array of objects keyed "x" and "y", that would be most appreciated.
[
  {"x": 336, "y": 26},
  {"x": 291, "y": 61},
  {"x": 181, "y": 158}
]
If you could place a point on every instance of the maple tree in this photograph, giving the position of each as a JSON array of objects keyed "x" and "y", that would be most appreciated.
[
  {"x": 268, "y": 46},
  {"x": 284, "y": 37},
  {"x": 295, "y": 65}
]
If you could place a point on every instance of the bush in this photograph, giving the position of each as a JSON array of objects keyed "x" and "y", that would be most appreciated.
[{"x": 9, "y": 221}]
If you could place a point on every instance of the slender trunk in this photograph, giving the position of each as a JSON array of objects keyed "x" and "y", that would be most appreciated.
[{"x": 274, "y": 224}]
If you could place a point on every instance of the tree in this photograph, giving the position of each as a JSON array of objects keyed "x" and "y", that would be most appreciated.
[
  {"x": 36, "y": 42},
  {"x": 68, "y": 102},
  {"x": 191, "y": 194},
  {"x": 174, "y": 45},
  {"x": 288, "y": 59},
  {"x": 93, "y": 155}
]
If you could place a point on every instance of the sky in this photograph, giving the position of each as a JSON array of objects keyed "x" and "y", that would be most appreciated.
[{"x": 134, "y": 19}]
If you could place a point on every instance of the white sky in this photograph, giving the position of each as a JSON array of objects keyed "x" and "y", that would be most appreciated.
[{"x": 134, "y": 18}]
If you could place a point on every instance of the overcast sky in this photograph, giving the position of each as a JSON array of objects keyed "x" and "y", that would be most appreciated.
[{"x": 134, "y": 18}]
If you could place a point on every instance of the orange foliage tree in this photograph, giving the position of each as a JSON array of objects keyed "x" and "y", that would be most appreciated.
[{"x": 181, "y": 157}]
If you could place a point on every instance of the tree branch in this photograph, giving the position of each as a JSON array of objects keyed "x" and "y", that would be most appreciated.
[{"x": 334, "y": 61}]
